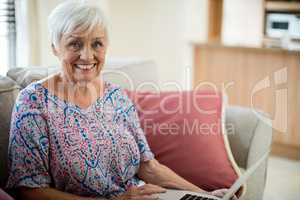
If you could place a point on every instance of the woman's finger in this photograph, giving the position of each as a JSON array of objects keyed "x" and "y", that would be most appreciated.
[
  {"x": 147, "y": 197},
  {"x": 146, "y": 186},
  {"x": 219, "y": 193}
]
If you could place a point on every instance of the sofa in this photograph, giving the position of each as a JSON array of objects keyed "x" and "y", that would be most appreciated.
[{"x": 250, "y": 138}]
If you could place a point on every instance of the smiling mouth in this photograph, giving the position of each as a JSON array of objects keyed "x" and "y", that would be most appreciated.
[{"x": 85, "y": 66}]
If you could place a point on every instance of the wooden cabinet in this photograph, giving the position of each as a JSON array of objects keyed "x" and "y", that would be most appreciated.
[
  {"x": 261, "y": 78},
  {"x": 282, "y": 6}
]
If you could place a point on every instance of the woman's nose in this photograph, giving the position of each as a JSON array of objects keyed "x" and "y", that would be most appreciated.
[{"x": 86, "y": 53}]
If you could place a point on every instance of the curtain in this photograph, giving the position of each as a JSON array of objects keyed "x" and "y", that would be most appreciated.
[
  {"x": 27, "y": 32},
  {"x": 7, "y": 35}
]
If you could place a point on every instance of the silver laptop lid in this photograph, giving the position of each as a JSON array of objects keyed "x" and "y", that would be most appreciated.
[{"x": 244, "y": 177}]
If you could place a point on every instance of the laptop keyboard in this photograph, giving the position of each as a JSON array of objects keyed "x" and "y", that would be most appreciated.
[{"x": 194, "y": 197}]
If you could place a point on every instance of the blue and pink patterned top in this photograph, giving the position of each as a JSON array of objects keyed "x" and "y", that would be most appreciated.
[{"x": 89, "y": 152}]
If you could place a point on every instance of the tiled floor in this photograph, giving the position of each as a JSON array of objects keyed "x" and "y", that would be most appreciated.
[{"x": 283, "y": 179}]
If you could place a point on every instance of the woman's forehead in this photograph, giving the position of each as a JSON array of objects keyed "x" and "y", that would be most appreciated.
[{"x": 96, "y": 32}]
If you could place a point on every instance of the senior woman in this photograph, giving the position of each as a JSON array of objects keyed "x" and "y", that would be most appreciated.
[{"x": 74, "y": 136}]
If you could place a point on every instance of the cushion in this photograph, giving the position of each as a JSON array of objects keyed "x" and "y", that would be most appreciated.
[
  {"x": 7, "y": 84},
  {"x": 128, "y": 72},
  {"x": 25, "y": 76},
  {"x": 184, "y": 131}
]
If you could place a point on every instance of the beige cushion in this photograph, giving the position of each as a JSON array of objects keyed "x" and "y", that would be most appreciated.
[
  {"x": 24, "y": 76},
  {"x": 132, "y": 74}
]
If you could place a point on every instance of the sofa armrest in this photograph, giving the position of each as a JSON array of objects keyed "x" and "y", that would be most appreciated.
[
  {"x": 8, "y": 93},
  {"x": 250, "y": 136}
]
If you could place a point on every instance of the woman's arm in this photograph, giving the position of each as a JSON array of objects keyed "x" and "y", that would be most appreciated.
[
  {"x": 155, "y": 173},
  {"x": 49, "y": 194}
]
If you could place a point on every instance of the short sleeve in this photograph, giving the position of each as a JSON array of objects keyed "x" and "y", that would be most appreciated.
[
  {"x": 134, "y": 126},
  {"x": 28, "y": 150}
]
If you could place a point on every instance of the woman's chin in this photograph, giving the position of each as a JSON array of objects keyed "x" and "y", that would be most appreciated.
[{"x": 84, "y": 76}]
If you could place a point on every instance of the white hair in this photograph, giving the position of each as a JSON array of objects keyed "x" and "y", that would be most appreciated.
[{"x": 74, "y": 14}]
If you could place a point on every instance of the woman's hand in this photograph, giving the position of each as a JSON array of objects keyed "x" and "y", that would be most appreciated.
[
  {"x": 145, "y": 192},
  {"x": 153, "y": 172},
  {"x": 221, "y": 192}
]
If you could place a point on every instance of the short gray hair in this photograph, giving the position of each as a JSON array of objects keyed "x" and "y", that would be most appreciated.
[{"x": 74, "y": 14}]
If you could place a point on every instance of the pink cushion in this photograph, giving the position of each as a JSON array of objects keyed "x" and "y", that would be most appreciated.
[{"x": 184, "y": 132}]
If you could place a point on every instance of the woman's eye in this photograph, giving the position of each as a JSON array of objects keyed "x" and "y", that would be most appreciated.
[
  {"x": 75, "y": 45},
  {"x": 97, "y": 45}
]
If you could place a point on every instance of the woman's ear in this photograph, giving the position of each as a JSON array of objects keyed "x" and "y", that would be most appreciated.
[{"x": 54, "y": 50}]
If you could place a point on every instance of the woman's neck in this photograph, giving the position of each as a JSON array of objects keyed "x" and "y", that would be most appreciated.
[
  {"x": 82, "y": 88},
  {"x": 82, "y": 93}
]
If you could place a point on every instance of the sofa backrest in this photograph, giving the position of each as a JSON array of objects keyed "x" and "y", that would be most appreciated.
[{"x": 130, "y": 74}]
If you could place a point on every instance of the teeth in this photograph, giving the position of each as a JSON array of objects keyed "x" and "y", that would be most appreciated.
[{"x": 85, "y": 67}]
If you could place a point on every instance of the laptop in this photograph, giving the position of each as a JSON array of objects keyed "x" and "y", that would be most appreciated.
[{"x": 186, "y": 195}]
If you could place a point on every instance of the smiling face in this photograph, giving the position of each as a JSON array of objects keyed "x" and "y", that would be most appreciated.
[{"x": 82, "y": 55}]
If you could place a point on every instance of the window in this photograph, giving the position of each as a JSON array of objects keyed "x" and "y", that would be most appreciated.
[{"x": 7, "y": 35}]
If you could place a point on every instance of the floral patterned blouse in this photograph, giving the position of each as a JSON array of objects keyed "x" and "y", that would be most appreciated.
[{"x": 90, "y": 152}]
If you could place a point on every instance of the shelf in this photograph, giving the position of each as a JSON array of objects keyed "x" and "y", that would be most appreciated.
[
  {"x": 258, "y": 49},
  {"x": 282, "y": 6},
  {"x": 271, "y": 42}
]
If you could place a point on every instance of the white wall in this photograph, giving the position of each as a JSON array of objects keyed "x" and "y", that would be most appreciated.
[
  {"x": 242, "y": 22},
  {"x": 196, "y": 20},
  {"x": 160, "y": 30},
  {"x": 46, "y": 58},
  {"x": 149, "y": 29}
]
